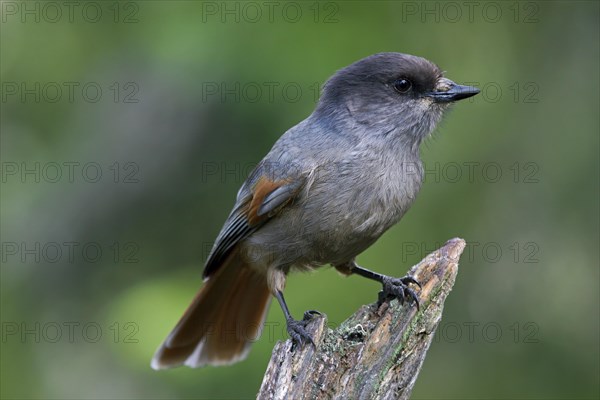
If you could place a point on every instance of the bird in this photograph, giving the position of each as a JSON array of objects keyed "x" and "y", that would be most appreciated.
[{"x": 326, "y": 191}]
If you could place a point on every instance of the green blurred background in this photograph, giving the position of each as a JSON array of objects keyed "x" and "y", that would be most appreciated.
[{"x": 128, "y": 127}]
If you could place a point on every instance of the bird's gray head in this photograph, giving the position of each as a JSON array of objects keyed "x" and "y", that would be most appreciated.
[{"x": 390, "y": 93}]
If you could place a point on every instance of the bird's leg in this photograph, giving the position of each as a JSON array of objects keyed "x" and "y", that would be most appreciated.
[
  {"x": 296, "y": 329},
  {"x": 392, "y": 287}
]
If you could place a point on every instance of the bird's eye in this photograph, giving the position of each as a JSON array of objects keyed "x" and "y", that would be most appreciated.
[{"x": 402, "y": 85}]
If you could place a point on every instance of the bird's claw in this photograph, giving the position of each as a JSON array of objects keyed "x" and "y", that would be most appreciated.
[
  {"x": 399, "y": 288},
  {"x": 309, "y": 314},
  {"x": 297, "y": 329}
]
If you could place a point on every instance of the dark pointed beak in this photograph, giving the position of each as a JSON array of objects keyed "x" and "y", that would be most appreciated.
[{"x": 448, "y": 91}]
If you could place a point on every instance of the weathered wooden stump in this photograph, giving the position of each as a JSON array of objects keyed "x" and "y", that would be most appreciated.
[{"x": 376, "y": 353}]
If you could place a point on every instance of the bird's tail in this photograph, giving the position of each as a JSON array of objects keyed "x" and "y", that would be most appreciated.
[{"x": 224, "y": 318}]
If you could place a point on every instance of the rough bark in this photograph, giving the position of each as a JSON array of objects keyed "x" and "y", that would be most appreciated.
[{"x": 376, "y": 353}]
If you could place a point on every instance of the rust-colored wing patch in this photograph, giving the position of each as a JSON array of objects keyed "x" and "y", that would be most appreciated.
[{"x": 263, "y": 188}]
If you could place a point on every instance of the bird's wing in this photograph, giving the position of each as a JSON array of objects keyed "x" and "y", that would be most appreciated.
[{"x": 261, "y": 197}]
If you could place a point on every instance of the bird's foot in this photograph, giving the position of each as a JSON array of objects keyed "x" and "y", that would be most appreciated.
[
  {"x": 297, "y": 329},
  {"x": 399, "y": 288}
]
